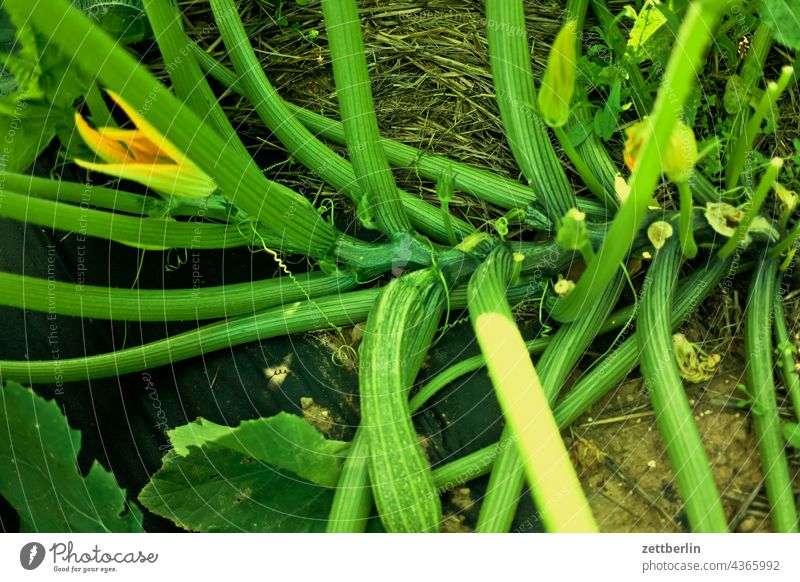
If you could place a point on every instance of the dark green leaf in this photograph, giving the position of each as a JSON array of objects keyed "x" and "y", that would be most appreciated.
[
  {"x": 216, "y": 489},
  {"x": 579, "y": 131},
  {"x": 284, "y": 440},
  {"x": 271, "y": 474},
  {"x": 39, "y": 474}
]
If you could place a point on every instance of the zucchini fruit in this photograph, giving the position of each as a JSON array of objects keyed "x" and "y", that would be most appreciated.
[{"x": 398, "y": 333}]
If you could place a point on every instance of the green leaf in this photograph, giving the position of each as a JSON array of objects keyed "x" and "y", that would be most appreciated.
[
  {"x": 783, "y": 19},
  {"x": 39, "y": 473},
  {"x": 579, "y": 131},
  {"x": 284, "y": 440},
  {"x": 197, "y": 433},
  {"x": 62, "y": 79},
  {"x": 271, "y": 474},
  {"x": 19, "y": 56},
  {"x": 791, "y": 432},
  {"x": 25, "y": 137},
  {"x": 216, "y": 489},
  {"x": 647, "y": 23},
  {"x": 605, "y": 121}
]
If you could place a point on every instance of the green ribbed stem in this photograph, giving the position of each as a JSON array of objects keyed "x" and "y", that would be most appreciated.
[
  {"x": 786, "y": 353},
  {"x": 786, "y": 243},
  {"x": 379, "y": 198},
  {"x": 744, "y": 142},
  {"x": 524, "y": 400},
  {"x": 554, "y": 366},
  {"x": 88, "y": 195},
  {"x": 586, "y": 173},
  {"x": 317, "y": 314},
  {"x": 188, "y": 81},
  {"x": 352, "y": 501},
  {"x": 512, "y": 75},
  {"x": 101, "y": 114},
  {"x": 89, "y": 301},
  {"x": 321, "y": 313},
  {"x": 483, "y": 184},
  {"x": 751, "y": 74},
  {"x": 761, "y": 386},
  {"x": 301, "y": 144},
  {"x": 80, "y": 193},
  {"x": 686, "y": 221},
  {"x": 670, "y": 403},
  {"x": 146, "y": 233}
]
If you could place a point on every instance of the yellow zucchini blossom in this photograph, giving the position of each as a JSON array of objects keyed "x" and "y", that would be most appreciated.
[
  {"x": 679, "y": 159},
  {"x": 143, "y": 155}
]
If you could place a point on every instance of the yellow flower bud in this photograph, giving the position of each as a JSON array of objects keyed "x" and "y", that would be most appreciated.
[
  {"x": 558, "y": 83},
  {"x": 634, "y": 138},
  {"x": 572, "y": 233},
  {"x": 563, "y": 287},
  {"x": 658, "y": 233},
  {"x": 679, "y": 159},
  {"x": 787, "y": 198},
  {"x": 681, "y": 156}
]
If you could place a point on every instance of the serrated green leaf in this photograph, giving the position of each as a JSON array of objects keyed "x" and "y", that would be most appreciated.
[
  {"x": 39, "y": 473},
  {"x": 24, "y": 40},
  {"x": 284, "y": 441},
  {"x": 783, "y": 19},
  {"x": 38, "y": 87},
  {"x": 217, "y": 489},
  {"x": 40, "y": 70},
  {"x": 197, "y": 433},
  {"x": 270, "y": 474}
]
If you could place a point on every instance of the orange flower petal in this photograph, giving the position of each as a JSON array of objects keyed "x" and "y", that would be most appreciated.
[
  {"x": 145, "y": 151},
  {"x": 159, "y": 141},
  {"x": 109, "y": 149}
]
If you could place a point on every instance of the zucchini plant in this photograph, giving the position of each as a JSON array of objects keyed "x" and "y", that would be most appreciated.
[{"x": 413, "y": 266}]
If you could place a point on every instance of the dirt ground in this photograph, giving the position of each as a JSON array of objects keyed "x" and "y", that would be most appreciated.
[{"x": 626, "y": 474}]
